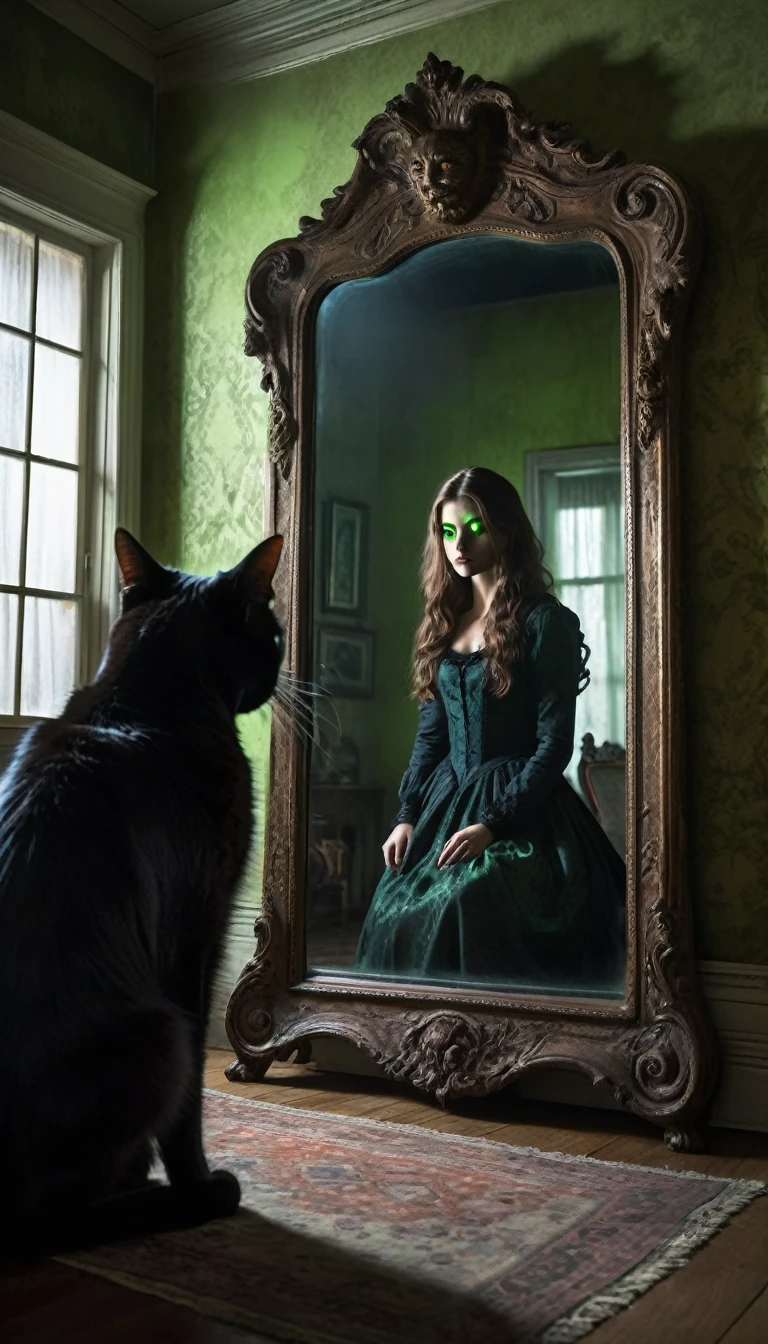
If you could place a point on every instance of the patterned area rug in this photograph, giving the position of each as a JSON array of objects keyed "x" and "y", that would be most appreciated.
[{"x": 360, "y": 1232}]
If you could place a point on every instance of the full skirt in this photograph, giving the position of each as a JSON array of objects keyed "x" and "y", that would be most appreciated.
[{"x": 542, "y": 908}]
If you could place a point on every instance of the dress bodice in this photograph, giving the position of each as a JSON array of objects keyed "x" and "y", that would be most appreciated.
[{"x": 481, "y": 727}]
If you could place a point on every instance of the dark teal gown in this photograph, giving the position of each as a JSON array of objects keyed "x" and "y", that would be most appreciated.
[{"x": 544, "y": 905}]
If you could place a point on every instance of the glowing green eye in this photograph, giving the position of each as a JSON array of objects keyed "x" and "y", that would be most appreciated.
[
  {"x": 449, "y": 532},
  {"x": 477, "y": 527}
]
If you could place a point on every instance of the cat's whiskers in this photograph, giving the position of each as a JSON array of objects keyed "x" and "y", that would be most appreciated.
[
  {"x": 294, "y": 724},
  {"x": 295, "y": 705},
  {"x": 296, "y": 712},
  {"x": 308, "y": 687},
  {"x": 297, "y": 690},
  {"x": 307, "y": 730},
  {"x": 303, "y": 701}
]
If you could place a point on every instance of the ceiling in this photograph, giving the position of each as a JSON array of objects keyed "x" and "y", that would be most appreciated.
[{"x": 161, "y": 13}]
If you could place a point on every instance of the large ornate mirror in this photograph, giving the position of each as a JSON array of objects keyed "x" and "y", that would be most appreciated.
[{"x": 475, "y": 857}]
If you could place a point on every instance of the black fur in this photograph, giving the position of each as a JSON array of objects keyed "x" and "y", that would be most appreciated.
[{"x": 125, "y": 826}]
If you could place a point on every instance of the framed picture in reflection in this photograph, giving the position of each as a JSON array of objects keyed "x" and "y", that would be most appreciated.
[
  {"x": 345, "y": 661},
  {"x": 345, "y": 526}
]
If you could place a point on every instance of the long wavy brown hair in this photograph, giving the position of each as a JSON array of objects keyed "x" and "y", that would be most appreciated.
[{"x": 521, "y": 578}]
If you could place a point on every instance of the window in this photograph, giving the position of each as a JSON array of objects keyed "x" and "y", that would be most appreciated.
[
  {"x": 44, "y": 294},
  {"x": 71, "y": 287},
  {"x": 577, "y": 509}
]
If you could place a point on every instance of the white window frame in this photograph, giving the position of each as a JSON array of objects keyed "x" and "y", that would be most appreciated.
[
  {"x": 562, "y": 459},
  {"x": 66, "y": 195}
]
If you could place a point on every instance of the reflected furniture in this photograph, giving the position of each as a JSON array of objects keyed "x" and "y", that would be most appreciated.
[
  {"x": 353, "y": 813},
  {"x": 602, "y": 774}
]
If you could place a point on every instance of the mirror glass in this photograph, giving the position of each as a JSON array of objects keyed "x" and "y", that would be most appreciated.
[{"x": 471, "y": 833}]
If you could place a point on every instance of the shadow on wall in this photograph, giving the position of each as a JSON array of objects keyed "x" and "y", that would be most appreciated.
[
  {"x": 635, "y": 105},
  {"x": 202, "y": 491},
  {"x": 164, "y": 409}
]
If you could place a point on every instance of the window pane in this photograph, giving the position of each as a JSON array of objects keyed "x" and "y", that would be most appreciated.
[
  {"x": 11, "y": 510},
  {"x": 17, "y": 251},
  {"x": 60, "y": 277},
  {"x": 579, "y": 543},
  {"x": 52, "y": 531},
  {"x": 585, "y": 539},
  {"x": 48, "y": 656},
  {"x": 14, "y": 365},
  {"x": 56, "y": 404},
  {"x": 9, "y": 609},
  {"x": 601, "y": 710}
]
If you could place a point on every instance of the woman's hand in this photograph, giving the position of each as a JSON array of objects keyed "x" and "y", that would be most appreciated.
[
  {"x": 395, "y": 845},
  {"x": 465, "y": 845}
]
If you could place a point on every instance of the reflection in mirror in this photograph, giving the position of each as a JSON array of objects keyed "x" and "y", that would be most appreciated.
[{"x": 469, "y": 623}]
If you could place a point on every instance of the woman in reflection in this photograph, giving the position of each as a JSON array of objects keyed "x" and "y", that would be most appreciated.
[{"x": 495, "y": 867}]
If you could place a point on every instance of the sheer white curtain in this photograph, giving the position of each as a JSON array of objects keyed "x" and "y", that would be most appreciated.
[
  {"x": 42, "y": 309},
  {"x": 582, "y": 528}
]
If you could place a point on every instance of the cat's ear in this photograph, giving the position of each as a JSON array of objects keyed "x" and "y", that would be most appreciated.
[
  {"x": 253, "y": 576},
  {"x": 137, "y": 566}
]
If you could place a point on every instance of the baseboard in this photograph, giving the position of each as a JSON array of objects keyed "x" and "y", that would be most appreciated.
[{"x": 738, "y": 1002}]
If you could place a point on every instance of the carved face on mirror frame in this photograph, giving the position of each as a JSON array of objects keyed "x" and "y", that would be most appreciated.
[{"x": 445, "y": 167}]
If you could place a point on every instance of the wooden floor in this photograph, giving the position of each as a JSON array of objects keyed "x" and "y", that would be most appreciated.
[{"x": 721, "y": 1295}]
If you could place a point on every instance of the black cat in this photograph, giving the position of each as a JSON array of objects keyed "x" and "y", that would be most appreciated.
[{"x": 125, "y": 826}]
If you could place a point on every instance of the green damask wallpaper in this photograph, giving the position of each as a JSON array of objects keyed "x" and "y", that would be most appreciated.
[
  {"x": 673, "y": 81},
  {"x": 58, "y": 83}
]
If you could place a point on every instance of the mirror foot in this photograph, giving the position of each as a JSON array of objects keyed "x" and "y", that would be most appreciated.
[
  {"x": 248, "y": 1071},
  {"x": 686, "y": 1137}
]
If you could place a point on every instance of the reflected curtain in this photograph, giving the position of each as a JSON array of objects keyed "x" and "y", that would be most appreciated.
[{"x": 582, "y": 529}]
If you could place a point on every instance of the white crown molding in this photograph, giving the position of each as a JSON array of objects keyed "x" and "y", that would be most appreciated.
[
  {"x": 237, "y": 43},
  {"x": 244, "y": 41},
  {"x": 35, "y": 165}
]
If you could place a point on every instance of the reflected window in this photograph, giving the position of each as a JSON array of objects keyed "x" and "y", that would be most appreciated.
[{"x": 578, "y": 512}]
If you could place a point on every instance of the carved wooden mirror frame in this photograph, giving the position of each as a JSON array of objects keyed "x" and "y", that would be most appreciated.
[{"x": 528, "y": 180}]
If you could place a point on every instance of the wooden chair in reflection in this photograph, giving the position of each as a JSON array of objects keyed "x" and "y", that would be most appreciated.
[
  {"x": 328, "y": 878},
  {"x": 602, "y": 773}
]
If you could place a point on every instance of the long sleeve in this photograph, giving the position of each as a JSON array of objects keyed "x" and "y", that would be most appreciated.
[
  {"x": 430, "y": 748},
  {"x": 556, "y": 668}
]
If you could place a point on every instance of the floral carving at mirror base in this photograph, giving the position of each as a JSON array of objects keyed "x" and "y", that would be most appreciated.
[{"x": 447, "y": 159}]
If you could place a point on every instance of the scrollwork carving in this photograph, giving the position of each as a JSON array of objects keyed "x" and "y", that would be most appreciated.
[
  {"x": 522, "y": 202},
  {"x": 671, "y": 1059},
  {"x": 452, "y": 143},
  {"x": 392, "y": 227},
  {"x": 249, "y": 1012},
  {"x": 660, "y": 1068},
  {"x": 667, "y": 975},
  {"x": 454, "y": 1055},
  {"x": 277, "y": 272},
  {"x": 668, "y": 266}
]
